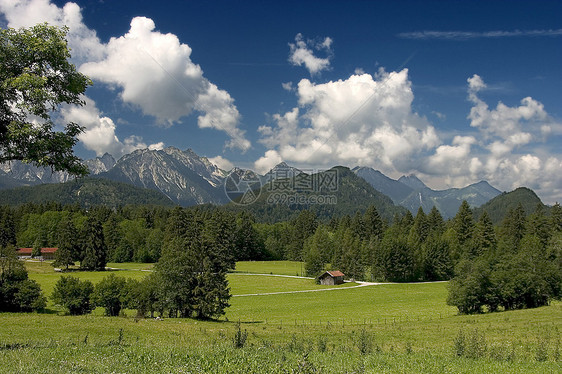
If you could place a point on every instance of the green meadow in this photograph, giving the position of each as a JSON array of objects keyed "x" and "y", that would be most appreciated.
[
  {"x": 293, "y": 268},
  {"x": 393, "y": 328}
]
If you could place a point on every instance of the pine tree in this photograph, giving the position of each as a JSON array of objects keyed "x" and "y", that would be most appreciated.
[
  {"x": 556, "y": 218},
  {"x": 95, "y": 250},
  {"x": 350, "y": 262},
  {"x": 435, "y": 222},
  {"x": 248, "y": 246},
  {"x": 539, "y": 226},
  {"x": 463, "y": 223},
  {"x": 484, "y": 240},
  {"x": 358, "y": 226},
  {"x": 512, "y": 229},
  {"x": 66, "y": 239},
  {"x": 112, "y": 236},
  {"x": 7, "y": 227}
]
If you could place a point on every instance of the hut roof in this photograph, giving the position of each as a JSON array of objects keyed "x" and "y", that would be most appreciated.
[{"x": 335, "y": 273}]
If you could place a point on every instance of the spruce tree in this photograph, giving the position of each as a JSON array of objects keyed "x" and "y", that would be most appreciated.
[
  {"x": 66, "y": 239},
  {"x": 374, "y": 225},
  {"x": 484, "y": 240},
  {"x": 95, "y": 250},
  {"x": 463, "y": 223},
  {"x": 436, "y": 260},
  {"x": 358, "y": 226},
  {"x": 304, "y": 226},
  {"x": 350, "y": 262},
  {"x": 313, "y": 260},
  {"x": 539, "y": 226},
  {"x": 556, "y": 218},
  {"x": 435, "y": 222},
  {"x": 419, "y": 230},
  {"x": 248, "y": 246},
  {"x": 512, "y": 229},
  {"x": 112, "y": 236},
  {"x": 406, "y": 223},
  {"x": 7, "y": 227}
]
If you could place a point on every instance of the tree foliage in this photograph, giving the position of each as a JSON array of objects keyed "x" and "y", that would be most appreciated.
[
  {"x": 36, "y": 77},
  {"x": 191, "y": 274},
  {"x": 95, "y": 250},
  {"x": 74, "y": 295},
  {"x": 17, "y": 292},
  {"x": 111, "y": 294}
]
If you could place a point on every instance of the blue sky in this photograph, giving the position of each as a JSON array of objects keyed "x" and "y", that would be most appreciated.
[{"x": 453, "y": 91}]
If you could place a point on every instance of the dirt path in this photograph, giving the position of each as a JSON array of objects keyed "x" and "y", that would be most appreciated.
[{"x": 359, "y": 284}]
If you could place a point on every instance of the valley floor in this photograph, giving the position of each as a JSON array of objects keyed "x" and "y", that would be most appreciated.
[{"x": 393, "y": 328}]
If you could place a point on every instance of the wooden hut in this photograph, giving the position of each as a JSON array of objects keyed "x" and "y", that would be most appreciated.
[{"x": 331, "y": 278}]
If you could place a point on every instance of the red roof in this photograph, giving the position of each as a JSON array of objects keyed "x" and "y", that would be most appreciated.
[
  {"x": 336, "y": 273},
  {"x": 28, "y": 251},
  {"x": 48, "y": 250}
]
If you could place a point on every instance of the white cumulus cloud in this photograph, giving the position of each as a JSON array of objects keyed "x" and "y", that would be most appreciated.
[
  {"x": 267, "y": 161},
  {"x": 302, "y": 53},
  {"x": 83, "y": 41},
  {"x": 222, "y": 162},
  {"x": 153, "y": 70},
  {"x": 365, "y": 120},
  {"x": 508, "y": 149},
  {"x": 99, "y": 131}
]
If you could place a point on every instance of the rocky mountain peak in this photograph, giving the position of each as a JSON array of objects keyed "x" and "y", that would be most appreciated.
[{"x": 412, "y": 181}]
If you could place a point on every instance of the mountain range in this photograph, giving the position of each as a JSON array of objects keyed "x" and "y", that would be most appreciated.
[
  {"x": 412, "y": 193},
  {"x": 189, "y": 179}
]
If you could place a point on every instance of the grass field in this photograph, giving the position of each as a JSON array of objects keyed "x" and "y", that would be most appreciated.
[
  {"x": 394, "y": 328},
  {"x": 271, "y": 267}
]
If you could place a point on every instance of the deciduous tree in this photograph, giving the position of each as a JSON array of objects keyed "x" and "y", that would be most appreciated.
[{"x": 36, "y": 77}]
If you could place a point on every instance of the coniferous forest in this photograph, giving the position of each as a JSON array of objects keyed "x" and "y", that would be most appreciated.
[{"x": 515, "y": 264}]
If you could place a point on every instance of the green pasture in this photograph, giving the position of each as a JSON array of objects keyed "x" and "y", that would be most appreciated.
[
  {"x": 295, "y": 268},
  {"x": 130, "y": 266},
  {"x": 247, "y": 284},
  {"x": 47, "y": 277},
  {"x": 240, "y": 283},
  {"x": 390, "y": 328}
]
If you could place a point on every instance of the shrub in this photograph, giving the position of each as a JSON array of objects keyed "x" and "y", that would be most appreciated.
[
  {"x": 239, "y": 340},
  {"x": 17, "y": 293},
  {"x": 29, "y": 296},
  {"x": 74, "y": 295},
  {"x": 110, "y": 293}
]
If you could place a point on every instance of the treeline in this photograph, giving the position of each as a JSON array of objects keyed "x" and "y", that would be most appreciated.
[
  {"x": 198, "y": 249},
  {"x": 127, "y": 234},
  {"x": 515, "y": 264}
]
